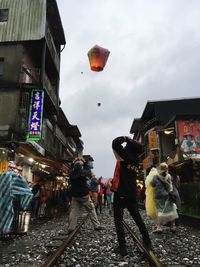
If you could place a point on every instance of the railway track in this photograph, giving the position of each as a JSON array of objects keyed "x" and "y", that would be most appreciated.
[
  {"x": 56, "y": 255},
  {"x": 51, "y": 246},
  {"x": 149, "y": 254}
]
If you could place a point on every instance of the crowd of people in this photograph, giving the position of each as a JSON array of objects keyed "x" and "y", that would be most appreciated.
[
  {"x": 95, "y": 194},
  {"x": 100, "y": 193},
  {"x": 45, "y": 197},
  {"x": 162, "y": 199},
  {"x": 98, "y": 188}
]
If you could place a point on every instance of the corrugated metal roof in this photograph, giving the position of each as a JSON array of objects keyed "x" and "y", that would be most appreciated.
[{"x": 26, "y": 20}]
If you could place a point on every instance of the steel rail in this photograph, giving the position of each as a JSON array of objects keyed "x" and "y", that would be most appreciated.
[
  {"x": 53, "y": 258},
  {"x": 150, "y": 255}
]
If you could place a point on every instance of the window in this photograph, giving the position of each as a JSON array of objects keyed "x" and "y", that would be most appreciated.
[
  {"x": 3, "y": 15},
  {"x": 1, "y": 65}
]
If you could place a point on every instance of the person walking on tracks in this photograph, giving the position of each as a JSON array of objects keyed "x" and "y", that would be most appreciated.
[
  {"x": 78, "y": 175},
  {"x": 100, "y": 194},
  {"x": 94, "y": 185},
  {"x": 36, "y": 200},
  {"x": 109, "y": 195},
  {"x": 165, "y": 207},
  {"x": 124, "y": 188}
]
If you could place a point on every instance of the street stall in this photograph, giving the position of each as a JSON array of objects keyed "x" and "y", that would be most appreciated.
[{"x": 15, "y": 195}]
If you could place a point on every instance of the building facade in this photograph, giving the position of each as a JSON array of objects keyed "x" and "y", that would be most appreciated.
[
  {"x": 32, "y": 123},
  {"x": 170, "y": 131}
]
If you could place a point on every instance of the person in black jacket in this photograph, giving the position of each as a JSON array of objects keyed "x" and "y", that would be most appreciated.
[
  {"x": 35, "y": 201},
  {"x": 124, "y": 188},
  {"x": 78, "y": 175}
]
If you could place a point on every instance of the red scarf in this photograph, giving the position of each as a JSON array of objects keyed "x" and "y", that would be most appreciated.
[{"x": 116, "y": 178}]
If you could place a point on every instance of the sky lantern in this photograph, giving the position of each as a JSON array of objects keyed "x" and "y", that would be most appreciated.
[{"x": 98, "y": 57}]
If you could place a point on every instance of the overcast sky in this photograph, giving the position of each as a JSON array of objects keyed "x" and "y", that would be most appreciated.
[{"x": 154, "y": 54}]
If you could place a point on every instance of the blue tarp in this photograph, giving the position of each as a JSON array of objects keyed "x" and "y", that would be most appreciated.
[{"x": 12, "y": 185}]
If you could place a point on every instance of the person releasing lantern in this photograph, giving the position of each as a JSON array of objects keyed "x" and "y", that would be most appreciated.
[{"x": 98, "y": 57}]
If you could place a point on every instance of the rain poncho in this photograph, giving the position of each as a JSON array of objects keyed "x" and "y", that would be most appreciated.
[
  {"x": 166, "y": 210},
  {"x": 150, "y": 202},
  {"x": 12, "y": 185}
]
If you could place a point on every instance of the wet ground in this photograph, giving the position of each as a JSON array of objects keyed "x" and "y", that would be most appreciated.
[
  {"x": 19, "y": 243},
  {"x": 96, "y": 248}
]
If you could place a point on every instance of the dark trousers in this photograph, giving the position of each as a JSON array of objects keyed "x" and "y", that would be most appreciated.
[
  {"x": 100, "y": 203},
  {"x": 35, "y": 207},
  {"x": 16, "y": 209},
  {"x": 119, "y": 205}
]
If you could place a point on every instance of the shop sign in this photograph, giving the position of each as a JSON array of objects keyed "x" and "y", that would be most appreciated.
[
  {"x": 153, "y": 140},
  {"x": 35, "y": 115},
  {"x": 189, "y": 137},
  {"x": 3, "y": 166}
]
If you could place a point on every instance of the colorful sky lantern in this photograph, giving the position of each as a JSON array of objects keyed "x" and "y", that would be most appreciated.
[{"x": 98, "y": 57}]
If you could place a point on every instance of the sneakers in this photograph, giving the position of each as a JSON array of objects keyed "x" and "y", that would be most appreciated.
[
  {"x": 121, "y": 250},
  {"x": 157, "y": 231},
  {"x": 98, "y": 228}
]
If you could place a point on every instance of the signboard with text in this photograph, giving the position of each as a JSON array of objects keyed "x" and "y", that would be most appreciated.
[
  {"x": 36, "y": 115},
  {"x": 189, "y": 137},
  {"x": 153, "y": 140}
]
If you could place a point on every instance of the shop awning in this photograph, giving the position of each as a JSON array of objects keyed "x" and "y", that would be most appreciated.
[{"x": 29, "y": 151}]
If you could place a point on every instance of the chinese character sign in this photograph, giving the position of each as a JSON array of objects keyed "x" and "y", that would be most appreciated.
[
  {"x": 153, "y": 140},
  {"x": 35, "y": 115},
  {"x": 189, "y": 137}
]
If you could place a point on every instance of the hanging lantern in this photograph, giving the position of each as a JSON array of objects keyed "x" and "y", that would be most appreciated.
[{"x": 98, "y": 57}]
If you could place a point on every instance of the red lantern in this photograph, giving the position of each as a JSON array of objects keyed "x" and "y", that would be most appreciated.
[{"x": 98, "y": 57}]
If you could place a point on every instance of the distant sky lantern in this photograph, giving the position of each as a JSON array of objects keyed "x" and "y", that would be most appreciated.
[{"x": 98, "y": 57}]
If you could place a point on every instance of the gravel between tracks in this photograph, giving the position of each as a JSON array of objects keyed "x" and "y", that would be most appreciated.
[{"x": 95, "y": 248}]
